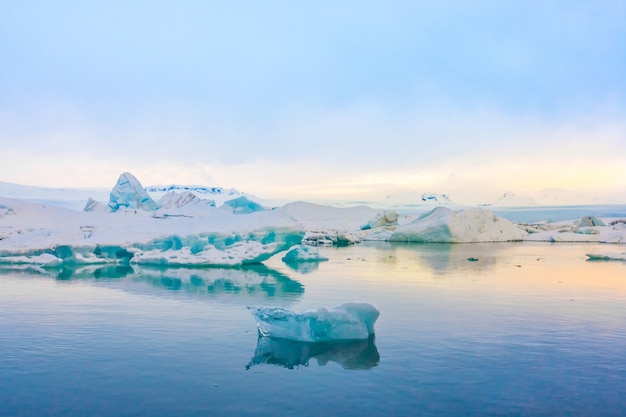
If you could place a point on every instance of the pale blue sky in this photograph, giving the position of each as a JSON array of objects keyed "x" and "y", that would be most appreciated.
[{"x": 293, "y": 99}]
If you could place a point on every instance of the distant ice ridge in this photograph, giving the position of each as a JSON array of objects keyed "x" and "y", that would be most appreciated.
[
  {"x": 510, "y": 199},
  {"x": 413, "y": 198},
  {"x": 195, "y": 189},
  {"x": 607, "y": 256},
  {"x": 348, "y": 321}
]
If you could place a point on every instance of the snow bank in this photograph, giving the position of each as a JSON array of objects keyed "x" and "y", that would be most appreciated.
[
  {"x": 385, "y": 219},
  {"x": 446, "y": 226},
  {"x": 327, "y": 225},
  {"x": 349, "y": 321},
  {"x": 208, "y": 237}
]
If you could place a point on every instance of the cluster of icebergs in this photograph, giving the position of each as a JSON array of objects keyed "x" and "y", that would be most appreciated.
[{"x": 186, "y": 230}]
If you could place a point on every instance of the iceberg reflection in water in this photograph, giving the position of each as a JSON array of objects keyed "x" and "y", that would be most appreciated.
[
  {"x": 350, "y": 354},
  {"x": 238, "y": 285}
]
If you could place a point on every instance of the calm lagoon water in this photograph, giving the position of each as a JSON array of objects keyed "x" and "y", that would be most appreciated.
[{"x": 529, "y": 329}]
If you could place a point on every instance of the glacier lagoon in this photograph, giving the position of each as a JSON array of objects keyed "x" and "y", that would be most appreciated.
[{"x": 465, "y": 329}]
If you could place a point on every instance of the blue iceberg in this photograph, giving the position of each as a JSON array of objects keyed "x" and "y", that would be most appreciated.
[{"x": 348, "y": 321}]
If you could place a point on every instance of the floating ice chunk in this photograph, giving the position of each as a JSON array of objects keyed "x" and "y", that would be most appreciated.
[
  {"x": 607, "y": 256},
  {"x": 242, "y": 205},
  {"x": 349, "y": 321},
  {"x": 129, "y": 193},
  {"x": 303, "y": 253},
  {"x": 446, "y": 226}
]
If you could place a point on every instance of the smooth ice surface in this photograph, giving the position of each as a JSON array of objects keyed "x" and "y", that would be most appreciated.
[
  {"x": 443, "y": 225},
  {"x": 348, "y": 321}
]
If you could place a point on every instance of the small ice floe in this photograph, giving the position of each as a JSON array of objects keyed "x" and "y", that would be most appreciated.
[
  {"x": 607, "y": 256},
  {"x": 303, "y": 253},
  {"x": 348, "y": 321}
]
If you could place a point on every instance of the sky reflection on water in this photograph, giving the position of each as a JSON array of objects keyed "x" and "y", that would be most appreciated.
[{"x": 527, "y": 329}]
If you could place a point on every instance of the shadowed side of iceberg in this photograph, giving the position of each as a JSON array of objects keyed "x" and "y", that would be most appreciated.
[
  {"x": 348, "y": 321},
  {"x": 350, "y": 354}
]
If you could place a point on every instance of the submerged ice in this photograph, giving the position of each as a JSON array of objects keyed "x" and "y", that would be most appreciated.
[
  {"x": 348, "y": 321},
  {"x": 349, "y": 354}
]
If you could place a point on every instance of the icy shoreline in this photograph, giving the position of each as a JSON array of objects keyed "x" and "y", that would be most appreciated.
[{"x": 184, "y": 230}]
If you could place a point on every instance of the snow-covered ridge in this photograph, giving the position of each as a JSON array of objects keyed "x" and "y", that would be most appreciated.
[
  {"x": 132, "y": 228},
  {"x": 196, "y": 189}
]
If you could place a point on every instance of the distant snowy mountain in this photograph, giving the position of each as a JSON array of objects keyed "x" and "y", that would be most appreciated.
[
  {"x": 218, "y": 194},
  {"x": 72, "y": 198},
  {"x": 509, "y": 199},
  {"x": 563, "y": 197},
  {"x": 195, "y": 189},
  {"x": 413, "y": 198}
]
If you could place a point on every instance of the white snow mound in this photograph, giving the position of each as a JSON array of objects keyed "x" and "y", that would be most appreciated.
[
  {"x": 207, "y": 237},
  {"x": 447, "y": 226}
]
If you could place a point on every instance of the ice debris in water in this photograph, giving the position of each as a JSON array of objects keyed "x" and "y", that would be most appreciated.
[{"x": 348, "y": 321}]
